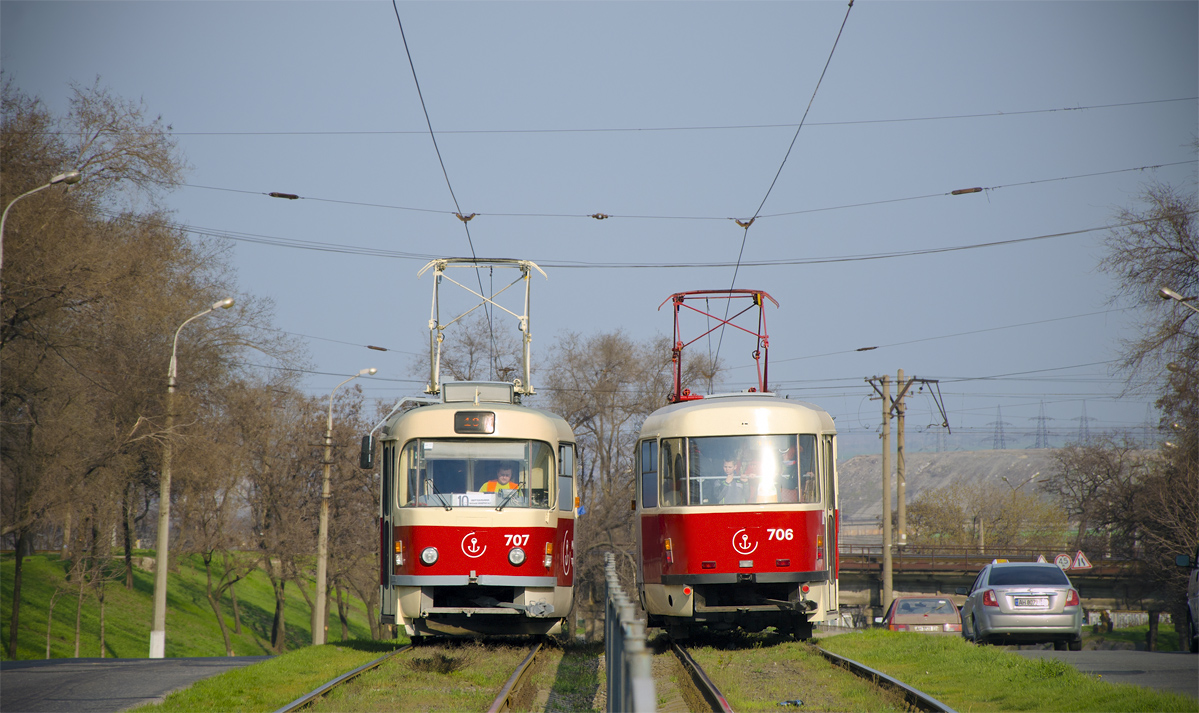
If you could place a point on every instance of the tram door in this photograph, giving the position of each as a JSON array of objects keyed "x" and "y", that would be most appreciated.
[
  {"x": 387, "y": 602},
  {"x": 831, "y": 554}
]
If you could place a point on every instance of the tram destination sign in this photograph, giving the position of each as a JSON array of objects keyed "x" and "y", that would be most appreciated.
[{"x": 474, "y": 422}]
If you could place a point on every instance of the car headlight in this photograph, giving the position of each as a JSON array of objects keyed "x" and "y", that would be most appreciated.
[
  {"x": 428, "y": 555},
  {"x": 516, "y": 556}
]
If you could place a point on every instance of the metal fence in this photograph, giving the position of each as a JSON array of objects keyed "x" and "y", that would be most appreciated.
[{"x": 627, "y": 661}]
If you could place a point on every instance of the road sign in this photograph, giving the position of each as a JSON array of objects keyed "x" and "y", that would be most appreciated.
[
  {"x": 1063, "y": 560},
  {"x": 1041, "y": 558},
  {"x": 1080, "y": 561}
]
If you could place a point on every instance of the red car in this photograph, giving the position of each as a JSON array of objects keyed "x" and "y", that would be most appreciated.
[{"x": 931, "y": 615}]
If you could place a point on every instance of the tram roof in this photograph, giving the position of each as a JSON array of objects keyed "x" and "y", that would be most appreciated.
[
  {"x": 438, "y": 411},
  {"x": 718, "y": 415}
]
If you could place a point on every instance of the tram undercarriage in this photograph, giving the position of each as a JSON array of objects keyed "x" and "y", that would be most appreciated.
[
  {"x": 476, "y": 610},
  {"x": 748, "y": 605}
]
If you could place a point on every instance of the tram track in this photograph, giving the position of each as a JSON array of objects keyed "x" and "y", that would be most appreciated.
[
  {"x": 431, "y": 663},
  {"x": 705, "y": 693}
]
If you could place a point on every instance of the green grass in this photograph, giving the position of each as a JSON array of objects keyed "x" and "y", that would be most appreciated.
[
  {"x": 1167, "y": 638},
  {"x": 272, "y": 684},
  {"x": 984, "y": 678},
  {"x": 191, "y": 627}
]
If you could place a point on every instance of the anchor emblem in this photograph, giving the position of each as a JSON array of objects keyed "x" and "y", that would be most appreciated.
[
  {"x": 472, "y": 550},
  {"x": 568, "y": 555},
  {"x": 743, "y": 544}
]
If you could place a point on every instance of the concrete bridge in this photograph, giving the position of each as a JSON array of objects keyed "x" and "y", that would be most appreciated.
[{"x": 1107, "y": 584}]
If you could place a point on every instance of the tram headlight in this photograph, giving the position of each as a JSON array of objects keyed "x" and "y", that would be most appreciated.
[
  {"x": 428, "y": 555},
  {"x": 516, "y": 556}
]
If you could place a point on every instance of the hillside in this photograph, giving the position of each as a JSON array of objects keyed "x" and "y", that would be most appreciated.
[
  {"x": 861, "y": 476},
  {"x": 191, "y": 626}
]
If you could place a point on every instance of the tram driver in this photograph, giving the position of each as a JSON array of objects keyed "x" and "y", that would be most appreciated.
[{"x": 503, "y": 480}]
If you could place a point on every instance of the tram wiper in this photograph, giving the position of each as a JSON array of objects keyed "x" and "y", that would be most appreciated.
[
  {"x": 511, "y": 494},
  {"x": 429, "y": 484}
]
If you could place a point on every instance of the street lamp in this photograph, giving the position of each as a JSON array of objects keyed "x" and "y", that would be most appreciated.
[
  {"x": 69, "y": 178},
  {"x": 158, "y": 633},
  {"x": 322, "y": 542},
  {"x": 1167, "y": 294}
]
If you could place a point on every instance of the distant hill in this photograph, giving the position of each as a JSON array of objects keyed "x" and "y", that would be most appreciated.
[{"x": 861, "y": 476}]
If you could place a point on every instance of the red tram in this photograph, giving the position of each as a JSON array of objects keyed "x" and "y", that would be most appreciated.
[
  {"x": 477, "y": 503},
  {"x": 737, "y": 519}
]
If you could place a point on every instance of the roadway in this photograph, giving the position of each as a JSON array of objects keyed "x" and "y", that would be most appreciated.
[
  {"x": 102, "y": 685},
  {"x": 1165, "y": 671}
]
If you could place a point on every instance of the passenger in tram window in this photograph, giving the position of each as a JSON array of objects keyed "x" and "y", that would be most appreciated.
[
  {"x": 789, "y": 476},
  {"x": 808, "y": 483},
  {"x": 736, "y": 487},
  {"x": 503, "y": 480}
]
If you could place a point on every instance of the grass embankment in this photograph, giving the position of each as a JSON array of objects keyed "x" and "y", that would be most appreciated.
[
  {"x": 985, "y": 678},
  {"x": 192, "y": 629},
  {"x": 1134, "y": 637},
  {"x": 272, "y": 684}
]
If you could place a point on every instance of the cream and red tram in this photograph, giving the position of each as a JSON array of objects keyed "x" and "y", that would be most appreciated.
[
  {"x": 477, "y": 507},
  {"x": 737, "y": 518}
]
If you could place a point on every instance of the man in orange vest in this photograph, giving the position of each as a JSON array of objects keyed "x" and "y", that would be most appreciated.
[{"x": 503, "y": 481}]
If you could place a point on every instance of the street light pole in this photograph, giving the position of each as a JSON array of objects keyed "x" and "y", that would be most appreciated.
[
  {"x": 158, "y": 633},
  {"x": 322, "y": 541},
  {"x": 69, "y": 178},
  {"x": 1167, "y": 294}
]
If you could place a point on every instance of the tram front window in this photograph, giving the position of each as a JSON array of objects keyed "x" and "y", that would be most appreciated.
[
  {"x": 492, "y": 473},
  {"x": 737, "y": 470}
]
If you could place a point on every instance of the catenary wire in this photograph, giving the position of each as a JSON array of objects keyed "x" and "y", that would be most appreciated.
[{"x": 729, "y": 127}]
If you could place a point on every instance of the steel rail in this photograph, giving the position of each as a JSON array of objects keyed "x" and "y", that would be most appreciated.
[
  {"x": 501, "y": 702},
  {"x": 706, "y": 688},
  {"x": 307, "y": 698},
  {"x": 916, "y": 698}
]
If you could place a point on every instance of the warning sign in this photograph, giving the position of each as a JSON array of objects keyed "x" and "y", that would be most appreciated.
[
  {"x": 1063, "y": 560},
  {"x": 1041, "y": 558},
  {"x": 1080, "y": 561}
]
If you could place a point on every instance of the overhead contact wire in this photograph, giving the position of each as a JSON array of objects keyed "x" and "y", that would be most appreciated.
[
  {"x": 444, "y": 172},
  {"x": 794, "y": 138}
]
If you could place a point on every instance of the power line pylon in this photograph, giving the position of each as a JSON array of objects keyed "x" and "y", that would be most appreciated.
[
  {"x": 999, "y": 443},
  {"x": 1084, "y": 429},
  {"x": 1042, "y": 429}
]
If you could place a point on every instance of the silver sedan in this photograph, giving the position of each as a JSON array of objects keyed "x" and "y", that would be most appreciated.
[{"x": 1023, "y": 603}]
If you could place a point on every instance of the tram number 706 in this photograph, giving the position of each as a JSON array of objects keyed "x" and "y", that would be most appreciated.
[
  {"x": 778, "y": 533},
  {"x": 516, "y": 540}
]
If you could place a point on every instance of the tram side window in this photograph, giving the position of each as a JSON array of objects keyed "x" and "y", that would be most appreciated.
[
  {"x": 648, "y": 460},
  {"x": 566, "y": 472},
  {"x": 674, "y": 473},
  {"x": 387, "y": 477},
  {"x": 809, "y": 482},
  {"x": 830, "y": 479},
  {"x": 409, "y": 482},
  {"x": 541, "y": 471}
]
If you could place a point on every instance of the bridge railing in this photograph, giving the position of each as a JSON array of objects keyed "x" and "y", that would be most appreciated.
[{"x": 627, "y": 661}]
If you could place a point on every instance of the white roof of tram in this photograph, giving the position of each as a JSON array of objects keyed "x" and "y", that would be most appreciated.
[{"x": 736, "y": 414}]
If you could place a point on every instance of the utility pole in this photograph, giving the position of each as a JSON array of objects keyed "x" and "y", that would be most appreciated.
[
  {"x": 901, "y": 389},
  {"x": 887, "y": 564},
  {"x": 883, "y": 389}
]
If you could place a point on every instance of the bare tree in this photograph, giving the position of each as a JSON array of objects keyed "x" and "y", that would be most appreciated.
[{"x": 605, "y": 385}]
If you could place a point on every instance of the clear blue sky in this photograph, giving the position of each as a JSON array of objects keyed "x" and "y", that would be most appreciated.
[{"x": 674, "y": 118}]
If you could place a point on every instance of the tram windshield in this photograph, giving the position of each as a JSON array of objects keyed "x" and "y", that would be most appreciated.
[
  {"x": 459, "y": 473},
  {"x": 737, "y": 470}
]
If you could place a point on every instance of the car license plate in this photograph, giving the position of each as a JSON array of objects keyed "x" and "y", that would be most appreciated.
[
  {"x": 1041, "y": 602},
  {"x": 926, "y": 628}
]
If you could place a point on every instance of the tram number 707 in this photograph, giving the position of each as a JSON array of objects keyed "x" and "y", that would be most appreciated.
[
  {"x": 778, "y": 533},
  {"x": 516, "y": 540}
]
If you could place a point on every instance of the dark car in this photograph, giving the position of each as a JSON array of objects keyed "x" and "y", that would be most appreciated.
[
  {"x": 1023, "y": 603},
  {"x": 931, "y": 615}
]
